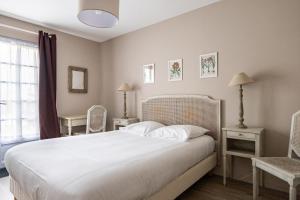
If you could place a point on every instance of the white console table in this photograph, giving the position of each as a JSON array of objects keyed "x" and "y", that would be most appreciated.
[{"x": 71, "y": 121}]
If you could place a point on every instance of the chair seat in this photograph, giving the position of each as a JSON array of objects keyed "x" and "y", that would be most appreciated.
[{"x": 288, "y": 166}]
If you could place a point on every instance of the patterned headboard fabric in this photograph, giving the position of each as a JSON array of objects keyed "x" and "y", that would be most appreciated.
[{"x": 185, "y": 109}]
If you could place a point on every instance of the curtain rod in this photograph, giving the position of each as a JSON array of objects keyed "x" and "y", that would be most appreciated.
[{"x": 18, "y": 29}]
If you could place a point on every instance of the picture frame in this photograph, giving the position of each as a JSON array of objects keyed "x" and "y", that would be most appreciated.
[
  {"x": 77, "y": 79},
  {"x": 175, "y": 70},
  {"x": 149, "y": 73},
  {"x": 209, "y": 65}
]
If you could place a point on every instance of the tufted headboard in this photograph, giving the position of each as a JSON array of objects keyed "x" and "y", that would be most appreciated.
[{"x": 185, "y": 109}]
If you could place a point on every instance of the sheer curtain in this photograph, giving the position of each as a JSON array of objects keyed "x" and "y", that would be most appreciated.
[{"x": 19, "y": 120}]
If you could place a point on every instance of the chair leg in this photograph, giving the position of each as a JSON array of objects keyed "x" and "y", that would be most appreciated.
[
  {"x": 255, "y": 182},
  {"x": 293, "y": 192}
]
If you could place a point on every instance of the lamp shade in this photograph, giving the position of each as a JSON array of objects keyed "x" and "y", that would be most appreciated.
[
  {"x": 240, "y": 79},
  {"x": 99, "y": 13},
  {"x": 124, "y": 87}
]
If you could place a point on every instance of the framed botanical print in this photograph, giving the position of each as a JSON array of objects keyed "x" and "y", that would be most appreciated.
[
  {"x": 77, "y": 79},
  {"x": 149, "y": 73},
  {"x": 175, "y": 69},
  {"x": 209, "y": 65}
]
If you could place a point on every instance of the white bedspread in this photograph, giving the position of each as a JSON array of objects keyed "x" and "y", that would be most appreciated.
[{"x": 104, "y": 166}]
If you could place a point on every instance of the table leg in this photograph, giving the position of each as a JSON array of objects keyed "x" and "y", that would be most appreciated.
[
  {"x": 261, "y": 178},
  {"x": 224, "y": 170},
  {"x": 255, "y": 182},
  {"x": 60, "y": 126},
  {"x": 293, "y": 193},
  {"x": 230, "y": 167},
  {"x": 70, "y": 127}
]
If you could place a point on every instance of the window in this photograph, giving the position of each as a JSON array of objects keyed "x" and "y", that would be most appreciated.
[{"x": 18, "y": 91}]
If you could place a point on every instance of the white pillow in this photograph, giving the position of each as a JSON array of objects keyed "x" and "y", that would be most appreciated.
[
  {"x": 178, "y": 132},
  {"x": 142, "y": 128}
]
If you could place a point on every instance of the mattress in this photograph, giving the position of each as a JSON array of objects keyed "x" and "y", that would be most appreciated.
[{"x": 105, "y": 166}]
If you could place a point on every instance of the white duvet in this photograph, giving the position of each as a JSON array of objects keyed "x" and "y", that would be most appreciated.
[{"x": 104, "y": 166}]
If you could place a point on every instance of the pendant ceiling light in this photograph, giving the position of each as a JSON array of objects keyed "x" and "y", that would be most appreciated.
[{"x": 99, "y": 13}]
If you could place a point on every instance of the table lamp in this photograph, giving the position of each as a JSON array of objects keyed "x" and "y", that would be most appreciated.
[
  {"x": 241, "y": 79},
  {"x": 124, "y": 88}
]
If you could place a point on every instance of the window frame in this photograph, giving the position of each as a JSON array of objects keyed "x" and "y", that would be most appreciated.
[{"x": 18, "y": 83}]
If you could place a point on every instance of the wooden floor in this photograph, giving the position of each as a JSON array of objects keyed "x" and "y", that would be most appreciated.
[
  {"x": 212, "y": 188},
  {"x": 208, "y": 188}
]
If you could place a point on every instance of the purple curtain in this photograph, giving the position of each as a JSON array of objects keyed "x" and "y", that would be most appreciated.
[{"x": 49, "y": 125}]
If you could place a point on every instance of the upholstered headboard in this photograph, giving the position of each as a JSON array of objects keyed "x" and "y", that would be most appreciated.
[{"x": 185, "y": 109}]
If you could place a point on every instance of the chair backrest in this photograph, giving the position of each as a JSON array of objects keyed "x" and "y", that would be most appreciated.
[
  {"x": 294, "y": 146},
  {"x": 96, "y": 119}
]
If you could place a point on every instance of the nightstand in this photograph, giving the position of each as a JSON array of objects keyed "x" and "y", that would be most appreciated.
[
  {"x": 246, "y": 143},
  {"x": 119, "y": 122}
]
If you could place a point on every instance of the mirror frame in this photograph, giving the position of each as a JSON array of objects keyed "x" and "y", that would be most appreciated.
[{"x": 70, "y": 79}]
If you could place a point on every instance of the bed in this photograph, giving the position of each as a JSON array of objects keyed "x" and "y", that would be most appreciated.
[{"x": 118, "y": 165}]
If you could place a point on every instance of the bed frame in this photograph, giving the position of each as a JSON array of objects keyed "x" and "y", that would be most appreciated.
[{"x": 175, "y": 109}]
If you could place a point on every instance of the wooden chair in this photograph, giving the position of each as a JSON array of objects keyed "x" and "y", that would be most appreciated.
[
  {"x": 96, "y": 119},
  {"x": 285, "y": 168}
]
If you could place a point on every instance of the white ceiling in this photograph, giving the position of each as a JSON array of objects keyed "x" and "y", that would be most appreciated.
[{"x": 62, "y": 14}]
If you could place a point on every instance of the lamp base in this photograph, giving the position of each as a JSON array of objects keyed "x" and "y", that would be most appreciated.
[
  {"x": 242, "y": 126},
  {"x": 124, "y": 117}
]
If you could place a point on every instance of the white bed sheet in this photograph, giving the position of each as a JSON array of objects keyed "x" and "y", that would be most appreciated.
[{"x": 104, "y": 166}]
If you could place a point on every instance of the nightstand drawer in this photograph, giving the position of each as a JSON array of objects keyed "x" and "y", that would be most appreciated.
[
  {"x": 123, "y": 123},
  {"x": 239, "y": 135},
  {"x": 117, "y": 121}
]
